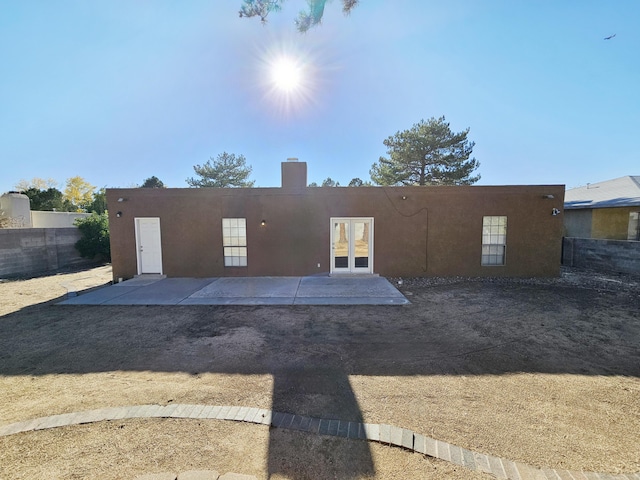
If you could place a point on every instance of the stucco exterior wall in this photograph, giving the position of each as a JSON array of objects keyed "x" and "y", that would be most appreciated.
[
  {"x": 577, "y": 223},
  {"x": 433, "y": 231},
  {"x": 41, "y": 219},
  {"x": 611, "y": 223}
]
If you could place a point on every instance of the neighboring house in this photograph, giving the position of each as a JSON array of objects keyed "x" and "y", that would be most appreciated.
[
  {"x": 298, "y": 230},
  {"x": 606, "y": 210},
  {"x": 15, "y": 212}
]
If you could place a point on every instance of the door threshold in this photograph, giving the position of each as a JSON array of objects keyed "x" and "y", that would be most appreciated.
[
  {"x": 355, "y": 275},
  {"x": 151, "y": 276}
]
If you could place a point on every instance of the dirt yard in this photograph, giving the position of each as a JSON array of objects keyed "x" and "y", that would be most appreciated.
[{"x": 544, "y": 372}]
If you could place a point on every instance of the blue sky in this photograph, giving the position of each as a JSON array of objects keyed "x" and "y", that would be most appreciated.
[{"x": 119, "y": 90}]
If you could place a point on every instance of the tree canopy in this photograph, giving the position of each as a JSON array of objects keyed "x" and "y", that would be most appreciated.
[
  {"x": 153, "y": 182},
  {"x": 306, "y": 18},
  {"x": 358, "y": 182},
  {"x": 99, "y": 202},
  {"x": 78, "y": 195},
  {"x": 227, "y": 170},
  {"x": 79, "y": 192},
  {"x": 94, "y": 240},
  {"x": 329, "y": 182},
  {"x": 50, "y": 199},
  {"x": 36, "y": 183},
  {"x": 427, "y": 154}
]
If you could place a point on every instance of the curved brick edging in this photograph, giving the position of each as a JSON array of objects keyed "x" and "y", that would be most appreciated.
[{"x": 381, "y": 433}]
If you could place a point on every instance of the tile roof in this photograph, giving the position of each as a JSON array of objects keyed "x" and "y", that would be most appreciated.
[{"x": 620, "y": 192}]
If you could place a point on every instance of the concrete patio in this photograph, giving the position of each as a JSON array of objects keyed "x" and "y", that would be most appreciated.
[{"x": 316, "y": 290}]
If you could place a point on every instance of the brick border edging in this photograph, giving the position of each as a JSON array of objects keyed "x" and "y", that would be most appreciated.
[{"x": 380, "y": 433}]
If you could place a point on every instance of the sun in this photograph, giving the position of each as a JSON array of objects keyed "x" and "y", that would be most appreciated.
[
  {"x": 289, "y": 77},
  {"x": 286, "y": 74}
]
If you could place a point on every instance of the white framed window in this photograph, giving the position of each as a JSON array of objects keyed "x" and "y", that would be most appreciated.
[
  {"x": 494, "y": 240},
  {"x": 234, "y": 242}
]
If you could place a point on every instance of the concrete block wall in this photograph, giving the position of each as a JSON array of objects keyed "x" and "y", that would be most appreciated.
[
  {"x": 617, "y": 256},
  {"x": 26, "y": 251}
]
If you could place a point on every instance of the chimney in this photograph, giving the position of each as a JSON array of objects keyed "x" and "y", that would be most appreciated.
[{"x": 294, "y": 174}]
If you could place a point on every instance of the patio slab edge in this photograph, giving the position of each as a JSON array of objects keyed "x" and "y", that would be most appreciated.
[{"x": 250, "y": 291}]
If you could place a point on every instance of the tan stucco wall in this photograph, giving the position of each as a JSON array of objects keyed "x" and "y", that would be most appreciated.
[
  {"x": 435, "y": 231},
  {"x": 611, "y": 223}
]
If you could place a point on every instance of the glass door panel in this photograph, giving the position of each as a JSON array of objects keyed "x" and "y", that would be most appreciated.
[
  {"x": 361, "y": 243},
  {"x": 340, "y": 245}
]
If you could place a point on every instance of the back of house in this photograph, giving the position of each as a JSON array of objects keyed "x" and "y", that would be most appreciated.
[{"x": 295, "y": 230}]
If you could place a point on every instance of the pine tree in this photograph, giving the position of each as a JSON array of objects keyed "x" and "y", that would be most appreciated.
[
  {"x": 427, "y": 154},
  {"x": 227, "y": 170}
]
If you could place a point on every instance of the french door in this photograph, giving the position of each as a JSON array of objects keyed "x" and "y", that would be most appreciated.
[{"x": 351, "y": 245}]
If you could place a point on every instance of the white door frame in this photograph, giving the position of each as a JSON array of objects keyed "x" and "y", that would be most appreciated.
[
  {"x": 351, "y": 267},
  {"x": 139, "y": 246}
]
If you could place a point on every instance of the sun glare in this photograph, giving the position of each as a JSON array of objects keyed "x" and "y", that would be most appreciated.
[
  {"x": 290, "y": 78},
  {"x": 286, "y": 75}
]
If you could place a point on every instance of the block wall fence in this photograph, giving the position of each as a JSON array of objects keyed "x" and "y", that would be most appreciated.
[
  {"x": 615, "y": 256},
  {"x": 28, "y": 251}
]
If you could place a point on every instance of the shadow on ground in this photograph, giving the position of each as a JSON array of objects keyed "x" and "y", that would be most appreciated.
[{"x": 462, "y": 329}]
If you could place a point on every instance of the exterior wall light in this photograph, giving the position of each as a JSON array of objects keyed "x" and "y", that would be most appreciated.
[
  {"x": 404, "y": 197},
  {"x": 119, "y": 214},
  {"x": 263, "y": 223},
  {"x": 121, "y": 199},
  {"x": 555, "y": 212},
  {"x": 548, "y": 196}
]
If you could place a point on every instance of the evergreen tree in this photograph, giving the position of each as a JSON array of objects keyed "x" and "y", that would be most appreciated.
[
  {"x": 50, "y": 199},
  {"x": 357, "y": 182},
  {"x": 227, "y": 170},
  {"x": 153, "y": 182},
  {"x": 427, "y": 154},
  {"x": 306, "y": 19},
  {"x": 329, "y": 182},
  {"x": 99, "y": 203}
]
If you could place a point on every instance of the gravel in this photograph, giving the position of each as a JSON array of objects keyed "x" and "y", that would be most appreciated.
[{"x": 569, "y": 277}]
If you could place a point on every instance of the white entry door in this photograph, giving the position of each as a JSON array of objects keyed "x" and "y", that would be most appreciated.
[
  {"x": 352, "y": 245},
  {"x": 148, "y": 245}
]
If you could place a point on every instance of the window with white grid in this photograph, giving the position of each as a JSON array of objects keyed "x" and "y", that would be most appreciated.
[
  {"x": 234, "y": 242},
  {"x": 494, "y": 240}
]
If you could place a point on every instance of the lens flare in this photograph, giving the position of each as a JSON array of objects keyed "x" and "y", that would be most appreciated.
[
  {"x": 286, "y": 75},
  {"x": 291, "y": 78}
]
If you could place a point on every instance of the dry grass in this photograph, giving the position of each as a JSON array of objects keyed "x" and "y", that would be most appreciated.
[{"x": 565, "y": 394}]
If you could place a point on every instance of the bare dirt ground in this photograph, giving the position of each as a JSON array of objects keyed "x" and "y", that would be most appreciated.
[{"x": 545, "y": 372}]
